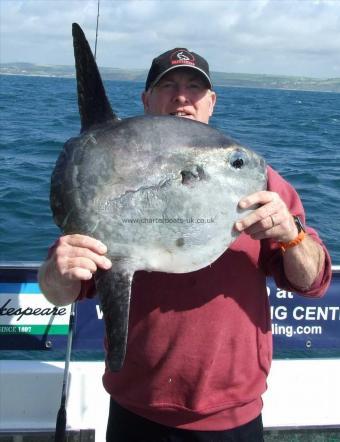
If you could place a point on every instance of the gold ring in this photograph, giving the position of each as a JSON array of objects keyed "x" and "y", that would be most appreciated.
[{"x": 273, "y": 224}]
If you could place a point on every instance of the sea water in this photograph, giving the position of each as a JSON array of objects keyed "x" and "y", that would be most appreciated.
[{"x": 297, "y": 132}]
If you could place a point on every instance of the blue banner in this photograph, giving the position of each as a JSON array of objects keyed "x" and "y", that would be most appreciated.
[
  {"x": 305, "y": 327},
  {"x": 31, "y": 328}
]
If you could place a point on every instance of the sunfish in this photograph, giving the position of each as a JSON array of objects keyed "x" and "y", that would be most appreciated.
[{"x": 161, "y": 192}]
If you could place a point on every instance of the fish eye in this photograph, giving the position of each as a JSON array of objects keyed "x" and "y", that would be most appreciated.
[{"x": 237, "y": 159}]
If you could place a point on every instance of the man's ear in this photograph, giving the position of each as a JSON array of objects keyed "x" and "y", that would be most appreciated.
[
  {"x": 212, "y": 103},
  {"x": 145, "y": 100}
]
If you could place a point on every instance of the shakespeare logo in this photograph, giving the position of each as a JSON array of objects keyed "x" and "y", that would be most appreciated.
[{"x": 23, "y": 309}]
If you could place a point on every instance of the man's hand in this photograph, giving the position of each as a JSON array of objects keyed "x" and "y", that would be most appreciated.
[
  {"x": 77, "y": 257},
  {"x": 74, "y": 259},
  {"x": 271, "y": 220}
]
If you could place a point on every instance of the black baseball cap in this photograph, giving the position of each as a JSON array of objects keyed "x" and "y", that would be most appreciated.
[{"x": 173, "y": 59}]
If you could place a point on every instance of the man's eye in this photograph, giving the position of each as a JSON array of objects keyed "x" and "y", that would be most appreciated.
[
  {"x": 166, "y": 85},
  {"x": 194, "y": 86}
]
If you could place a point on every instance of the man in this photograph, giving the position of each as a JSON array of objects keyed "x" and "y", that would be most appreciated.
[{"x": 199, "y": 346}]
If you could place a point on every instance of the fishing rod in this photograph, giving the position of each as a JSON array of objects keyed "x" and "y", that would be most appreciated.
[
  {"x": 60, "y": 428},
  {"x": 95, "y": 47}
]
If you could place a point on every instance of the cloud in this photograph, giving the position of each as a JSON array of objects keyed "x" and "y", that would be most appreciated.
[{"x": 256, "y": 36}]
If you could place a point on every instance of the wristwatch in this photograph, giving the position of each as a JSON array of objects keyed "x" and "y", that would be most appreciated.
[{"x": 298, "y": 223}]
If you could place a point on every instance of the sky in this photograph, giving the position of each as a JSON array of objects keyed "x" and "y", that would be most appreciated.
[{"x": 279, "y": 37}]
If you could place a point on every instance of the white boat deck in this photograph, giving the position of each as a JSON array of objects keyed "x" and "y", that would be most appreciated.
[{"x": 302, "y": 393}]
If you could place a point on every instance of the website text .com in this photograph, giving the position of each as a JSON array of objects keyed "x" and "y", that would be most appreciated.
[{"x": 290, "y": 330}]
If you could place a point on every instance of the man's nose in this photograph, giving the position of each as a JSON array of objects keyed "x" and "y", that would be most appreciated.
[{"x": 180, "y": 95}]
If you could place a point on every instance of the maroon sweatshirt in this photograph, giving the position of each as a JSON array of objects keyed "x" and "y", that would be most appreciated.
[{"x": 200, "y": 345}]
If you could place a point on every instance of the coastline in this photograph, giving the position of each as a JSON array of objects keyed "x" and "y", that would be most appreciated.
[{"x": 220, "y": 79}]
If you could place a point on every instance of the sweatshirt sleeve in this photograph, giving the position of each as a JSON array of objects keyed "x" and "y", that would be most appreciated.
[{"x": 271, "y": 259}]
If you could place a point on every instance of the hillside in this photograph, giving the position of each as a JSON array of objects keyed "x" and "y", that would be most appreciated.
[{"x": 218, "y": 78}]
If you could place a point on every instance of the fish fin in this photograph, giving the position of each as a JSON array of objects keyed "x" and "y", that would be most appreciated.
[
  {"x": 114, "y": 290},
  {"x": 94, "y": 106}
]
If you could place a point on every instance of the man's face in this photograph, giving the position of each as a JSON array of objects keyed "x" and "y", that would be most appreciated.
[{"x": 183, "y": 93}]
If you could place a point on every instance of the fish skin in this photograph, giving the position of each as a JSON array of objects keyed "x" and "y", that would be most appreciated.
[
  {"x": 165, "y": 172},
  {"x": 114, "y": 289}
]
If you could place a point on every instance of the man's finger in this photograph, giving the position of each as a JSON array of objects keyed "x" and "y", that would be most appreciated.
[
  {"x": 86, "y": 242},
  {"x": 263, "y": 225},
  {"x": 261, "y": 215},
  {"x": 79, "y": 274},
  {"x": 84, "y": 253},
  {"x": 262, "y": 197}
]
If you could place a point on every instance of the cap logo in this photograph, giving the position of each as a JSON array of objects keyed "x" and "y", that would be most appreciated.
[{"x": 182, "y": 57}]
